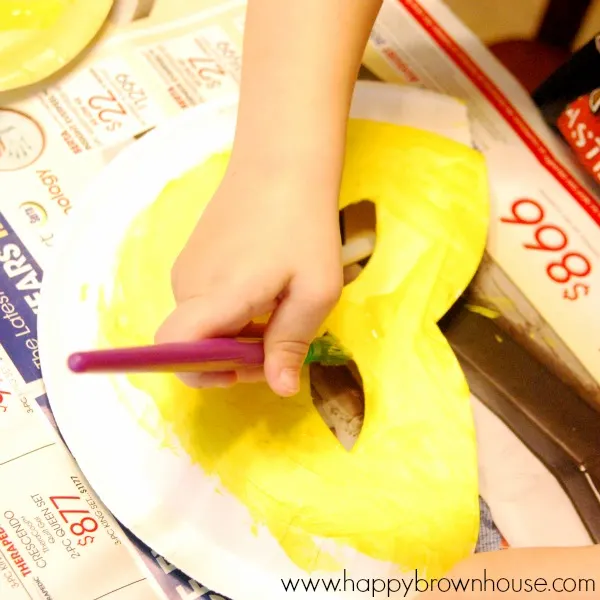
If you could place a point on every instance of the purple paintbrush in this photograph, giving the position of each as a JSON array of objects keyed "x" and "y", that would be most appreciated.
[{"x": 212, "y": 355}]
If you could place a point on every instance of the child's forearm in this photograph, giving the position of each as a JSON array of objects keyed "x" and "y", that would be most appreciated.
[
  {"x": 300, "y": 63},
  {"x": 545, "y": 573}
]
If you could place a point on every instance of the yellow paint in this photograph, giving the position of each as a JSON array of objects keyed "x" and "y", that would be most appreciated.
[
  {"x": 20, "y": 15},
  {"x": 484, "y": 311},
  {"x": 407, "y": 491},
  {"x": 39, "y": 38},
  {"x": 500, "y": 301}
]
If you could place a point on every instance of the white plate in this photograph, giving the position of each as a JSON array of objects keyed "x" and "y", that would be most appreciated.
[
  {"x": 167, "y": 502},
  {"x": 32, "y": 54}
]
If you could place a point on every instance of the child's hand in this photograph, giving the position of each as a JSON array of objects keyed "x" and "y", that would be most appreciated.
[
  {"x": 549, "y": 573},
  {"x": 268, "y": 242}
]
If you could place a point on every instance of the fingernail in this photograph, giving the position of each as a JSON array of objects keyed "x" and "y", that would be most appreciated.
[
  {"x": 219, "y": 380},
  {"x": 221, "y": 384},
  {"x": 251, "y": 374},
  {"x": 208, "y": 380},
  {"x": 289, "y": 381}
]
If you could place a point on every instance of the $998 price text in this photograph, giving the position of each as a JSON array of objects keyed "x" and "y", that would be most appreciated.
[{"x": 565, "y": 267}]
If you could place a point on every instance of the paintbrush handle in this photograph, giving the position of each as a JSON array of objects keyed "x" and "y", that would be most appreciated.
[{"x": 213, "y": 355}]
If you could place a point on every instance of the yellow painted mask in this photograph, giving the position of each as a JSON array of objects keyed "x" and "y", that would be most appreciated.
[
  {"x": 407, "y": 492},
  {"x": 37, "y": 38}
]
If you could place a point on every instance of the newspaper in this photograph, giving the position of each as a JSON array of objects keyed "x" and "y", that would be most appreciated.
[
  {"x": 57, "y": 540},
  {"x": 540, "y": 271}
]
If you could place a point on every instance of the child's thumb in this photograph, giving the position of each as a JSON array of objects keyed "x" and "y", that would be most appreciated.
[
  {"x": 212, "y": 315},
  {"x": 291, "y": 329}
]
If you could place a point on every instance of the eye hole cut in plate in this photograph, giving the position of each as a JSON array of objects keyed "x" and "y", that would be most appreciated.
[{"x": 337, "y": 391}]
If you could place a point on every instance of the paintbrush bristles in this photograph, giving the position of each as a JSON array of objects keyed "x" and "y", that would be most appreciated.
[{"x": 327, "y": 350}]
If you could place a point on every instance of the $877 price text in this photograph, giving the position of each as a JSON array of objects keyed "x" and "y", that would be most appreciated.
[
  {"x": 70, "y": 513},
  {"x": 3, "y": 407},
  {"x": 565, "y": 267}
]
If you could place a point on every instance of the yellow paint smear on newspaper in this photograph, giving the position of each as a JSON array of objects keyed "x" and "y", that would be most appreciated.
[
  {"x": 407, "y": 492},
  {"x": 39, "y": 38}
]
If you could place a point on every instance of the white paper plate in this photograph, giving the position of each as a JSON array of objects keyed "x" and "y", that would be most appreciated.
[
  {"x": 167, "y": 502},
  {"x": 29, "y": 54}
]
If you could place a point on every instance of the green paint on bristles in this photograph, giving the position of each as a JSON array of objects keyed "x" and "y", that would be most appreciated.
[{"x": 327, "y": 351}]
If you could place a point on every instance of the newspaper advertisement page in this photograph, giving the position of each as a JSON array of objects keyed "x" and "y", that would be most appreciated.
[
  {"x": 56, "y": 139},
  {"x": 541, "y": 269},
  {"x": 57, "y": 540}
]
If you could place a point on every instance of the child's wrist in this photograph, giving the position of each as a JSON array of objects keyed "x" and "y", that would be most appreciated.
[{"x": 275, "y": 157}]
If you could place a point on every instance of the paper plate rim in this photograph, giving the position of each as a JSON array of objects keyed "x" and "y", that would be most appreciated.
[
  {"x": 243, "y": 582},
  {"x": 83, "y": 20}
]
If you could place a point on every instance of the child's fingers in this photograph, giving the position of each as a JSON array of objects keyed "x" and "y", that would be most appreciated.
[
  {"x": 214, "y": 315},
  {"x": 291, "y": 330},
  {"x": 223, "y": 379},
  {"x": 218, "y": 314},
  {"x": 251, "y": 374},
  {"x": 253, "y": 330},
  {"x": 209, "y": 380}
]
